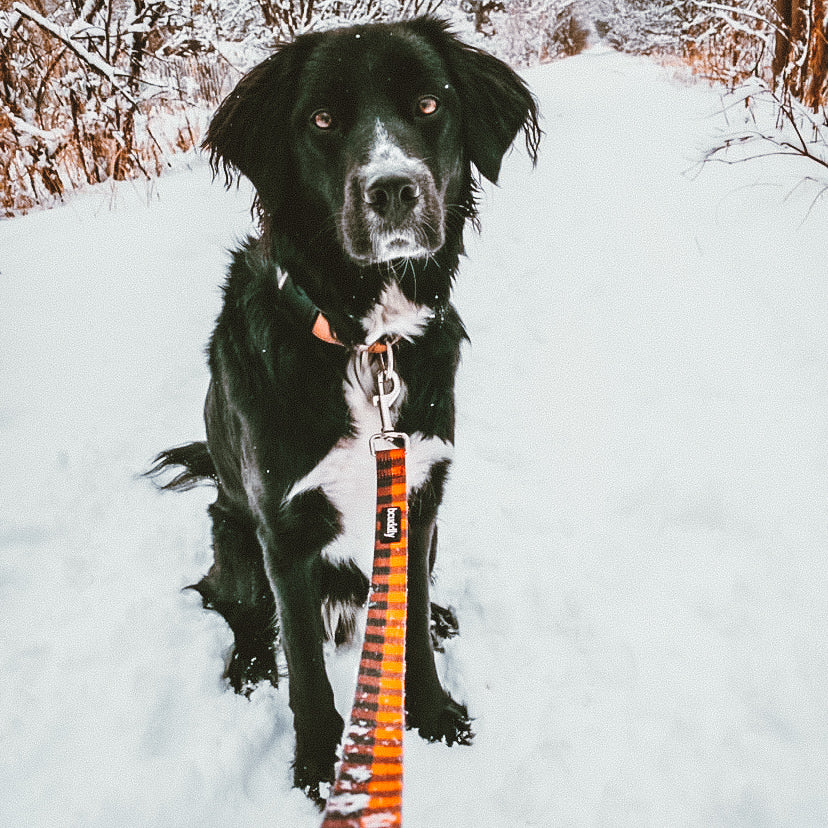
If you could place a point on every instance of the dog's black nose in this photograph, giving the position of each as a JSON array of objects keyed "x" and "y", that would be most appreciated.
[{"x": 392, "y": 196}]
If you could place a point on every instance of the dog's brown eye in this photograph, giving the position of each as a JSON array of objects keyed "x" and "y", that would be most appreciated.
[
  {"x": 322, "y": 119},
  {"x": 427, "y": 105}
]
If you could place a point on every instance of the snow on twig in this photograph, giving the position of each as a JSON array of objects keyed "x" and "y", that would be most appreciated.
[
  {"x": 772, "y": 126},
  {"x": 735, "y": 10},
  {"x": 95, "y": 62}
]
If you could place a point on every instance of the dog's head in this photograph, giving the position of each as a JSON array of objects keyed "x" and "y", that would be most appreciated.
[{"x": 372, "y": 130}]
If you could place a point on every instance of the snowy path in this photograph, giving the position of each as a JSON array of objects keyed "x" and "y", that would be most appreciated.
[{"x": 634, "y": 533}]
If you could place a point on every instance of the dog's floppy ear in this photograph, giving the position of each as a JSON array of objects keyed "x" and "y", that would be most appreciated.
[
  {"x": 250, "y": 131},
  {"x": 496, "y": 103}
]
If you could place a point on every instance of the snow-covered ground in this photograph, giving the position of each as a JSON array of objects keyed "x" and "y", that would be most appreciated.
[{"x": 635, "y": 530}]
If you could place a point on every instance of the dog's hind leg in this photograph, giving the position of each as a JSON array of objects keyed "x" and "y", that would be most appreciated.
[
  {"x": 237, "y": 587},
  {"x": 444, "y": 625}
]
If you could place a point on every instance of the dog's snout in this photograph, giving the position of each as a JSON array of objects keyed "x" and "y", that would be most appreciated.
[
  {"x": 392, "y": 207},
  {"x": 392, "y": 196}
]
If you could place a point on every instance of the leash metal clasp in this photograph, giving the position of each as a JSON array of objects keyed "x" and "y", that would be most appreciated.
[{"x": 388, "y": 387}]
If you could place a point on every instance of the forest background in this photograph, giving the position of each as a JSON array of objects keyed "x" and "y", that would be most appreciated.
[{"x": 98, "y": 90}]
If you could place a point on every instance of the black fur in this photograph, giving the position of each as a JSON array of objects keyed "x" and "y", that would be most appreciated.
[
  {"x": 196, "y": 463},
  {"x": 276, "y": 406}
]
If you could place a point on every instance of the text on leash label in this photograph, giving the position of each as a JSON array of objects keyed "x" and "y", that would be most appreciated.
[{"x": 391, "y": 529}]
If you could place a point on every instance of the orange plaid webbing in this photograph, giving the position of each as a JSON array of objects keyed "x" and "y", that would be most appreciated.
[{"x": 368, "y": 787}]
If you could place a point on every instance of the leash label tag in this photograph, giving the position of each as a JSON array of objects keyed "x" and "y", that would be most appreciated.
[{"x": 391, "y": 524}]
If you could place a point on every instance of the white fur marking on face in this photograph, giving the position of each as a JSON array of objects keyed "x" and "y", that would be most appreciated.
[
  {"x": 397, "y": 245},
  {"x": 387, "y": 158}
]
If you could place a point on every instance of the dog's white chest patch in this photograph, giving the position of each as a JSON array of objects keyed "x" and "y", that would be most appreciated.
[
  {"x": 347, "y": 474},
  {"x": 347, "y": 477},
  {"x": 395, "y": 315}
]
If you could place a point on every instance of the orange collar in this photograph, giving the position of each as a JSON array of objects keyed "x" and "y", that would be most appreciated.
[{"x": 322, "y": 331}]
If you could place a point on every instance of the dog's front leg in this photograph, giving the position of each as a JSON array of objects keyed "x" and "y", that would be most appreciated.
[
  {"x": 292, "y": 542},
  {"x": 429, "y": 707}
]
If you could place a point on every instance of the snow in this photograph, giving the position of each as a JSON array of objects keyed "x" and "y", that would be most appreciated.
[{"x": 634, "y": 530}]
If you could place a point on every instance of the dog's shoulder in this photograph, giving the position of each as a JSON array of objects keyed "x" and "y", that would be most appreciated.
[{"x": 254, "y": 319}]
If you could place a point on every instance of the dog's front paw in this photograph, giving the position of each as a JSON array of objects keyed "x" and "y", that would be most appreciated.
[
  {"x": 313, "y": 781},
  {"x": 445, "y": 721},
  {"x": 314, "y": 776},
  {"x": 313, "y": 769}
]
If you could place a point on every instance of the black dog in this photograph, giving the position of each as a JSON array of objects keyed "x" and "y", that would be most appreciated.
[{"x": 359, "y": 142}]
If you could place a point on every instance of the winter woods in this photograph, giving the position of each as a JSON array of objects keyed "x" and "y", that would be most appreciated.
[
  {"x": 800, "y": 56},
  {"x": 93, "y": 90}
]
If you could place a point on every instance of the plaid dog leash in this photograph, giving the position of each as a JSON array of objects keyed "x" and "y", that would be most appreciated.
[{"x": 368, "y": 788}]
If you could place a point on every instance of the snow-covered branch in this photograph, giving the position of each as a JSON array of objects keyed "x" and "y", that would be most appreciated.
[
  {"x": 92, "y": 60},
  {"x": 772, "y": 124}
]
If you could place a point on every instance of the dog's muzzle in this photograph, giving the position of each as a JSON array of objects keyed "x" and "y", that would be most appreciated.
[{"x": 392, "y": 213}]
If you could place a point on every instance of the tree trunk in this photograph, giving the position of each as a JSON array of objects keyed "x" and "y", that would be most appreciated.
[
  {"x": 816, "y": 66},
  {"x": 790, "y": 42},
  {"x": 782, "y": 44}
]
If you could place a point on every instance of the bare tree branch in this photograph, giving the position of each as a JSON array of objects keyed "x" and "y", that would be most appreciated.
[{"x": 93, "y": 61}]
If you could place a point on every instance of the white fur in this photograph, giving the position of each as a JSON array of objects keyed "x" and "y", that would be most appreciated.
[
  {"x": 395, "y": 315},
  {"x": 347, "y": 474},
  {"x": 335, "y": 611},
  {"x": 388, "y": 158}
]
